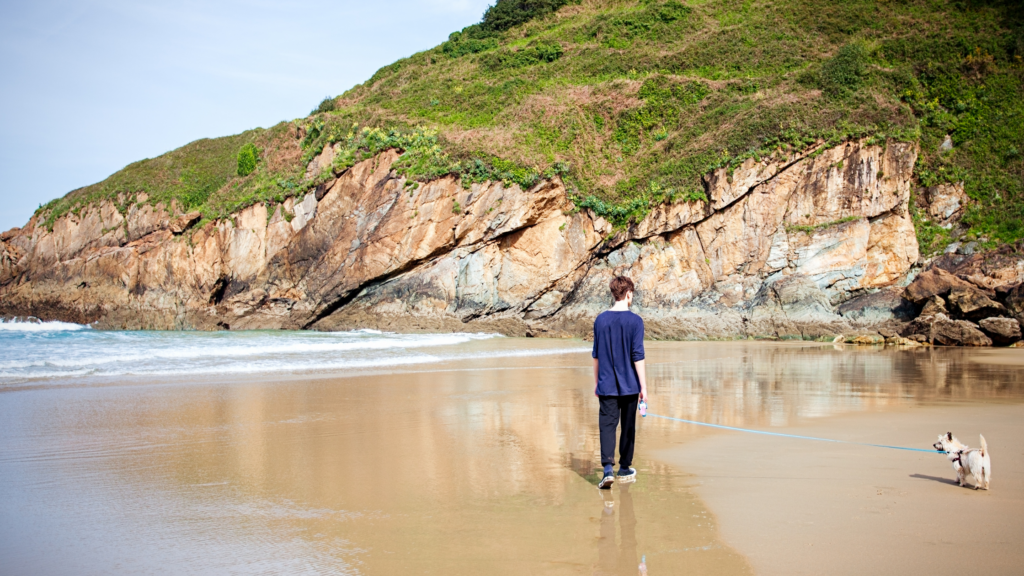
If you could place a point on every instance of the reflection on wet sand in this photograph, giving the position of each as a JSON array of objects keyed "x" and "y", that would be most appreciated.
[
  {"x": 621, "y": 559},
  {"x": 780, "y": 384},
  {"x": 461, "y": 468}
]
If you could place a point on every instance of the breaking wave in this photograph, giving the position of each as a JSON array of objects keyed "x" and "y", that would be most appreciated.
[{"x": 72, "y": 351}]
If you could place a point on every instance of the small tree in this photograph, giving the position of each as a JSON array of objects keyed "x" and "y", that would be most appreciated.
[
  {"x": 326, "y": 105},
  {"x": 248, "y": 155}
]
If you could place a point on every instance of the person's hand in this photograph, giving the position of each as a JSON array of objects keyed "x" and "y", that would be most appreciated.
[{"x": 643, "y": 394}]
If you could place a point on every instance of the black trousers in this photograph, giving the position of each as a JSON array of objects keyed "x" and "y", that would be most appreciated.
[{"x": 613, "y": 410}]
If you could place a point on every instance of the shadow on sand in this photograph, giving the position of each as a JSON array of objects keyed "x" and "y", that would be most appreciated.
[{"x": 935, "y": 478}]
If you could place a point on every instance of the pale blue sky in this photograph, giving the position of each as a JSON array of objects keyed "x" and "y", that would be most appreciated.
[{"x": 90, "y": 85}]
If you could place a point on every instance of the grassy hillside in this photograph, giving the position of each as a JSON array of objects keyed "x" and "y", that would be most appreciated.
[{"x": 633, "y": 101}]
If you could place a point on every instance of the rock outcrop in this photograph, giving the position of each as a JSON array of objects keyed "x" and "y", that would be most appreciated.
[
  {"x": 805, "y": 246},
  {"x": 969, "y": 300},
  {"x": 940, "y": 329}
]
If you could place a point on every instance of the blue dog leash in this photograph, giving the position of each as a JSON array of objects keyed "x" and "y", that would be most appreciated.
[{"x": 735, "y": 429}]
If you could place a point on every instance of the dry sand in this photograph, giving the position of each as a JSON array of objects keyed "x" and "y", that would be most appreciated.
[{"x": 804, "y": 507}]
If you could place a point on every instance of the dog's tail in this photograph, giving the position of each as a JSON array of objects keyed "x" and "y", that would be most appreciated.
[{"x": 984, "y": 446}]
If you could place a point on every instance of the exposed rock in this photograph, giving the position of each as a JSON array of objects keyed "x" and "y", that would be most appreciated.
[
  {"x": 304, "y": 211},
  {"x": 1001, "y": 330},
  {"x": 184, "y": 222},
  {"x": 322, "y": 162},
  {"x": 940, "y": 329},
  {"x": 934, "y": 305},
  {"x": 878, "y": 307},
  {"x": 1017, "y": 344},
  {"x": 667, "y": 218},
  {"x": 865, "y": 339},
  {"x": 1015, "y": 300},
  {"x": 972, "y": 304},
  {"x": 933, "y": 282},
  {"x": 999, "y": 267},
  {"x": 947, "y": 144},
  {"x": 1003, "y": 292},
  {"x": 966, "y": 335},
  {"x": 779, "y": 245},
  {"x": 946, "y": 202},
  {"x": 144, "y": 219}
]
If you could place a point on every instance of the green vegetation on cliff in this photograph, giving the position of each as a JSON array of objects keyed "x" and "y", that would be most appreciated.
[{"x": 633, "y": 101}]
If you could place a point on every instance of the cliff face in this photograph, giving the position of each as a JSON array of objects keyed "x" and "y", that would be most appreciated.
[{"x": 809, "y": 245}]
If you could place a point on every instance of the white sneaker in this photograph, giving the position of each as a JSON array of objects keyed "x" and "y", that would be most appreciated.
[{"x": 606, "y": 482}]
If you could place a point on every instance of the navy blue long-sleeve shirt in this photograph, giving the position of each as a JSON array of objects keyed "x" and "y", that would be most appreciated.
[{"x": 618, "y": 343}]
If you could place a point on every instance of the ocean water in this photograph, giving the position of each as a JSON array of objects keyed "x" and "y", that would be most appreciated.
[{"x": 47, "y": 352}]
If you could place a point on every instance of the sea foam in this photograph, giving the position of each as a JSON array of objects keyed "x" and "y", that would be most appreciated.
[
  {"x": 70, "y": 351},
  {"x": 34, "y": 325}
]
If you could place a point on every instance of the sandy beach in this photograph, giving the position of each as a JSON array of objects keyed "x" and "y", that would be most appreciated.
[
  {"x": 485, "y": 462},
  {"x": 802, "y": 507}
]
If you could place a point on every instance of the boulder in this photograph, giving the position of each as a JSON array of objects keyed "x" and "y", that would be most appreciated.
[
  {"x": 934, "y": 305},
  {"x": 940, "y": 329},
  {"x": 1002, "y": 330},
  {"x": 865, "y": 339},
  {"x": 1015, "y": 300},
  {"x": 969, "y": 249},
  {"x": 987, "y": 270},
  {"x": 886, "y": 304},
  {"x": 933, "y": 282},
  {"x": 1003, "y": 292},
  {"x": 973, "y": 304}
]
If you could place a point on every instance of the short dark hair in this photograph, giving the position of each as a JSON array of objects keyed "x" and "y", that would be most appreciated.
[{"x": 619, "y": 286}]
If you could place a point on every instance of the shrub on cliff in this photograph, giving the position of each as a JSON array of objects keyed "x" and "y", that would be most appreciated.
[
  {"x": 538, "y": 54},
  {"x": 248, "y": 155},
  {"x": 618, "y": 31},
  {"x": 508, "y": 13},
  {"x": 326, "y": 105},
  {"x": 461, "y": 45},
  {"x": 843, "y": 71}
]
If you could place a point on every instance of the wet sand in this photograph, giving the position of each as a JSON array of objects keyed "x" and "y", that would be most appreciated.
[
  {"x": 488, "y": 466},
  {"x": 471, "y": 467}
]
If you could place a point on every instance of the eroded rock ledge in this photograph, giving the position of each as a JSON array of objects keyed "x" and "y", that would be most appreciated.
[{"x": 806, "y": 246}]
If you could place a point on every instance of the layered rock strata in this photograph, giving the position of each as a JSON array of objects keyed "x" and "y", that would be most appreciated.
[{"x": 804, "y": 246}]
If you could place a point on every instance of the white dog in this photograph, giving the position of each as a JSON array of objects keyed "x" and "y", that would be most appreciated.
[{"x": 966, "y": 461}]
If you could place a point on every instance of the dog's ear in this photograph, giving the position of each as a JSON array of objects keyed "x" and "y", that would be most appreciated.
[{"x": 949, "y": 436}]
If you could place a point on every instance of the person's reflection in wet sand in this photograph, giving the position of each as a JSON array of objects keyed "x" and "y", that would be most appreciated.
[{"x": 620, "y": 559}]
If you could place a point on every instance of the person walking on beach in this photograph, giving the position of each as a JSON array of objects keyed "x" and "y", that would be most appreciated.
[{"x": 620, "y": 379}]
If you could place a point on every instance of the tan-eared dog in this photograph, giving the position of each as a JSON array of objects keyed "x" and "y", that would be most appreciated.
[{"x": 966, "y": 461}]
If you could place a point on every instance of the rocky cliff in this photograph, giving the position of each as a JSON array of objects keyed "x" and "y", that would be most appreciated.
[{"x": 810, "y": 245}]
